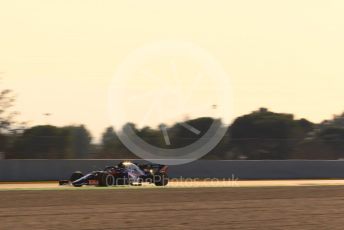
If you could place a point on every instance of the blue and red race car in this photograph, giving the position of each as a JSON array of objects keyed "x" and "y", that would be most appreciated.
[{"x": 125, "y": 173}]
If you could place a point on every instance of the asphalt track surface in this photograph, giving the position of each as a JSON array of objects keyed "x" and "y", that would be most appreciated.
[
  {"x": 300, "y": 204},
  {"x": 177, "y": 184}
]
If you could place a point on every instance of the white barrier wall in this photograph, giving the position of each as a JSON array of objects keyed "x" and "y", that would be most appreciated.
[{"x": 46, "y": 170}]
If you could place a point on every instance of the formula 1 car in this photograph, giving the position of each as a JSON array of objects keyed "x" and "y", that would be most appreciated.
[{"x": 125, "y": 173}]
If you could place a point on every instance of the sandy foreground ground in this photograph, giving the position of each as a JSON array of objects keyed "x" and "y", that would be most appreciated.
[{"x": 251, "y": 207}]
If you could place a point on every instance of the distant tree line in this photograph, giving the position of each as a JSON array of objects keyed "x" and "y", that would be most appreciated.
[
  {"x": 48, "y": 141},
  {"x": 259, "y": 135}
]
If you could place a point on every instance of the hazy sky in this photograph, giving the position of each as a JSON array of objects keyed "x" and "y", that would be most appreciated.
[{"x": 60, "y": 56}]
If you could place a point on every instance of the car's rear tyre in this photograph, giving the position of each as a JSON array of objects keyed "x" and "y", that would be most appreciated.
[
  {"x": 106, "y": 179},
  {"x": 160, "y": 179},
  {"x": 76, "y": 176}
]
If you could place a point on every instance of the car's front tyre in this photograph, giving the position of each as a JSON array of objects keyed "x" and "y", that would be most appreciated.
[{"x": 76, "y": 176}]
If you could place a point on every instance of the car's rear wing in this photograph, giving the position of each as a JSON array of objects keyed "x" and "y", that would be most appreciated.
[{"x": 155, "y": 167}]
